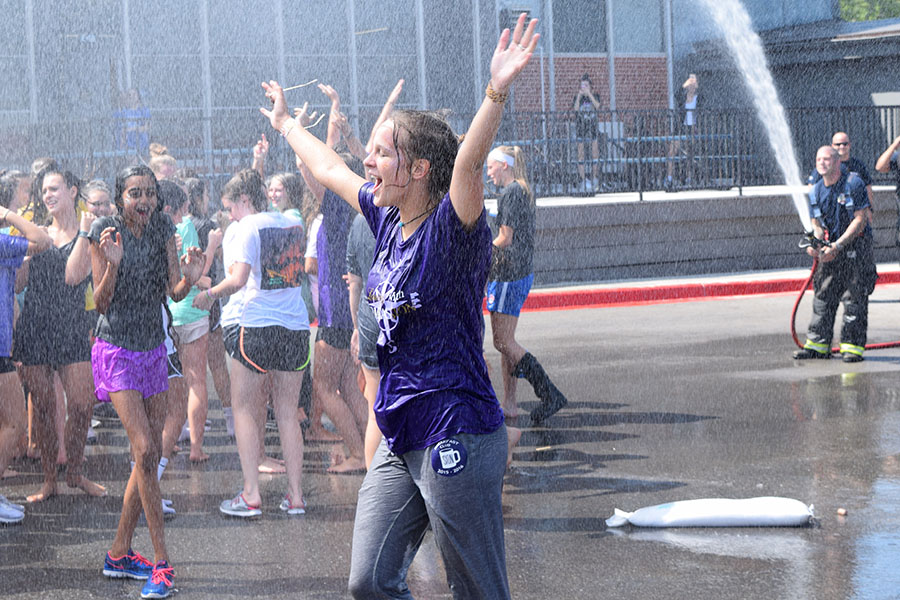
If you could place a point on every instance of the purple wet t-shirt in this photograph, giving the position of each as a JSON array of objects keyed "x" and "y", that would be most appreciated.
[
  {"x": 426, "y": 292},
  {"x": 331, "y": 248}
]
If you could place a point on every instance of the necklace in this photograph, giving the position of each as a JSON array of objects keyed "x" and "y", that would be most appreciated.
[{"x": 414, "y": 219}]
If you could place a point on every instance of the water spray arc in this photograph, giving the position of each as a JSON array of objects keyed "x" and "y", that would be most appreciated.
[{"x": 733, "y": 21}]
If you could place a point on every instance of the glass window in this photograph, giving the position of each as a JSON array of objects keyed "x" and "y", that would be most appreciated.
[{"x": 579, "y": 26}]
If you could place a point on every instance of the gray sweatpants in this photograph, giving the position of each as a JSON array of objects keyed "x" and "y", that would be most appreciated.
[{"x": 402, "y": 495}]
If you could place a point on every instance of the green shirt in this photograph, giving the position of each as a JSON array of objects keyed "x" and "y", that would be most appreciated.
[{"x": 183, "y": 312}]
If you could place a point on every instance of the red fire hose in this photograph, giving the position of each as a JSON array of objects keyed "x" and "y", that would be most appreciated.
[{"x": 803, "y": 289}]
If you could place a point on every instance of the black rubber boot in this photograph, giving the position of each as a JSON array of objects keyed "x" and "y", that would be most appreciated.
[{"x": 551, "y": 398}]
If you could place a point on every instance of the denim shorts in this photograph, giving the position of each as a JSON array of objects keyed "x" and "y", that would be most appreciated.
[
  {"x": 117, "y": 369},
  {"x": 508, "y": 297},
  {"x": 368, "y": 336}
]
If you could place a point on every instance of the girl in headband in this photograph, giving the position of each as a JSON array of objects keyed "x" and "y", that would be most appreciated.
[{"x": 509, "y": 282}]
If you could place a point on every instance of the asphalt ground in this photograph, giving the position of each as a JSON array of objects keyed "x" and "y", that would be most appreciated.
[{"x": 669, "y": 400}]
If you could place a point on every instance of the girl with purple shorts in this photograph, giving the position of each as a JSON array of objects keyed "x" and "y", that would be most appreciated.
[
  {"x": 135, "y": 265},
  {"x": 443, "y": 457}
]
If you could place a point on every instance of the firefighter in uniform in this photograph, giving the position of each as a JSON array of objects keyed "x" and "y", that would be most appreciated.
[{"x": 839, "y": 209}]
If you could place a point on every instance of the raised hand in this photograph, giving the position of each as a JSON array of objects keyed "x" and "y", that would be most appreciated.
[
  {"x": 192, "y": 263},
  {"x": 215, "y": 238},
  {"x": 278, "y": 114},
  {"x": 303, "y": 117},
  {"x": 332, "y": 95},
  {"x": 111, "y": 246},
  {"x": 261, "y": 149},
  {"x": 512, "y": 53}
]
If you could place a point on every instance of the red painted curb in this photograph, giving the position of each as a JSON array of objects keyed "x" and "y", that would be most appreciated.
[{"x": 675, "y": 292}]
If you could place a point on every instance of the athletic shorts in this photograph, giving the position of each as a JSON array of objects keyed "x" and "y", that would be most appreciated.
[
  {"x": 336, "y": 337},
  {"x": 173, "y": 366},
  {"x": 191, "y": 332},
  {"x": 507, "y": 297},
  {"x": 6, "y": 365},
  {"x": 117, "y": 369},
  {"x": 264, "y": 349}
]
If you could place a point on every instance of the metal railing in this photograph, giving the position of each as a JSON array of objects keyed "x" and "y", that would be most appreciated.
[{"x": 623, "y": 151}]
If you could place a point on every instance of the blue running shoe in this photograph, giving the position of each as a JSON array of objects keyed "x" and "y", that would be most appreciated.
[
  {"x": 161, "y": 583},
  {"x": 132, "y": 565}
]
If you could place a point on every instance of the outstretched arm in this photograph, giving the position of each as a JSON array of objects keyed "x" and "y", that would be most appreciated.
[
  {"x": 333, "y": 137},
  {"x": 883, "y": 164},
  {"x": 385, "y": 112},
  {"x": 512, "y": 53},
  {"x": 260, "y": 151},
  {"x": 323, "y": 162}
]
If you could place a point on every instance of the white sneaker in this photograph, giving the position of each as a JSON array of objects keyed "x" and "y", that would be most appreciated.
[
  {"x": 4, "y": 501},
  {"x": 8, "y": 514}
]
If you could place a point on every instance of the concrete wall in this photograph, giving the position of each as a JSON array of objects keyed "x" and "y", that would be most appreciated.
[{"x": 651, "y": 239}]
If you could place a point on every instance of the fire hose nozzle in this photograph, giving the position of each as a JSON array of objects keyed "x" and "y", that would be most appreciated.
[{"x": 809, "y": 240}]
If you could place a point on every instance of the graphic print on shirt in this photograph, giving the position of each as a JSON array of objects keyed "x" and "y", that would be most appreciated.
[
  {"x": 281, "y": 257},
  {"x": 389, "y": 303}
]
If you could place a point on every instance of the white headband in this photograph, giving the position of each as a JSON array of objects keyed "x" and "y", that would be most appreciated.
[{"x": 499, "y": 156}]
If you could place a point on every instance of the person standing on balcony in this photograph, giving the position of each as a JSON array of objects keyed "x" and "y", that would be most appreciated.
[
  {"x": 684, "y": 129},
  {"x": 586, "y": 106}
]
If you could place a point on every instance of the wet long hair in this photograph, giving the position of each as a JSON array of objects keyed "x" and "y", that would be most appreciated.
[
  {"x": 519, "y": 171},
  {"x": 247, "y": 182},
  {"x": 135, "y": 171},
  {"x": 427, "y": 135},
  {"x": 35, "y": 206}
]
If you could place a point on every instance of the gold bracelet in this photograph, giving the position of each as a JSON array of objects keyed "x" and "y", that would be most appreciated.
[{"x": 495, "y": 96}]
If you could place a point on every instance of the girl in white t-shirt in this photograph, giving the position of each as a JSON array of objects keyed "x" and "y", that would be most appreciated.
[{"x": 266, "y": 332}]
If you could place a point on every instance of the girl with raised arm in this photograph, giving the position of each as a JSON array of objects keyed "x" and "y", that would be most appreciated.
[{"x": 442, "y": 461}]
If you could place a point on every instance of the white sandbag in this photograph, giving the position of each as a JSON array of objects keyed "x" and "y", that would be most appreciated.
[{"x": 766, "y": 511}]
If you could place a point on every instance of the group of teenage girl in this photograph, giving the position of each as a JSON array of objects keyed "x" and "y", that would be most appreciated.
[{"x": 398, "y": 290}]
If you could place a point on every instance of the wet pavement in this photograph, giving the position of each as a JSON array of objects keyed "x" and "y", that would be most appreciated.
[{"x": 667, "y": 402}]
